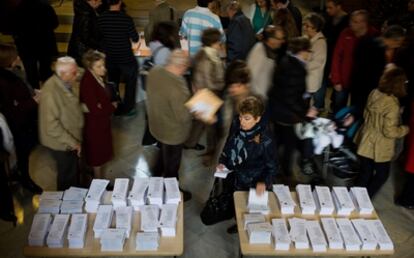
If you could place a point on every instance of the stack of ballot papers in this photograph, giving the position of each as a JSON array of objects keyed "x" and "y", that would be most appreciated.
[
  {"x": 258, "y": 203},
  {"x": 119, "y": 194},
  {"x": 49, "y": 206},
  {"x": 324, "y": 201},
  {"x": 172, "y": 191},
  {"x": 383, "y": 239},
  {"x": 362, "y": 227},
  {"x": 343, "y": 202},
  {"x": 280, "y": 234},
  {"x": 57, "y": 232},
  {"x": 298, "y": 233},
  {"x": 77, "y": 230},
  {"x": 39, "y": 229},
  {"x": 149, "y": 218},
  {"x": 306, "y": 201},
  {"x": 316, "y": 236},
  {"x": 69, "y": 207},
  {"x": 103, "y": 219},
  {"x": 107, "y": 198},
  {"x": 253, "y": 218},
  {"x": 147, "y": 241},
  {"x": 137, "y": 195},
  {"x": 259, "y": 233},
  {"x": 124, "y": 217},
  {"x": 95, "y": 194},
  {"x": 168, "y": 220},
  {"x": 75, "y": 194},
  {"x": 113, "y": 239},
  {"x": 156, "y": 191},
  {"x": 362, "y": 200},
  {"x": 332, "y": 233},
  {"x": 350, "y": 237},
  {"x": 286, "y": 203},
  {"x": 50, "y": 195},
  {"x": 222, "y": 173}
]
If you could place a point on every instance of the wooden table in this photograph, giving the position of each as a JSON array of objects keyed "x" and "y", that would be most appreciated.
[
  {"x": 169, "y": 246},
  {"x": 240, "y": 203}
]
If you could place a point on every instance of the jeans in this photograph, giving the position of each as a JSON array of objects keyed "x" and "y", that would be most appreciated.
[
  {"x": 339, "y": 100},
  {"x": 319, "y": 96}
]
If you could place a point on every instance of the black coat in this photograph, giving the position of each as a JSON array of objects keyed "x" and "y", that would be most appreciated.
[
  {"x": 240, "y": 37},
  {"x": 297, "y": 16}
]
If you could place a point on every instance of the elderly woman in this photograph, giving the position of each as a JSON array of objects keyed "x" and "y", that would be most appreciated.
[{"x": 97, "y": 134}]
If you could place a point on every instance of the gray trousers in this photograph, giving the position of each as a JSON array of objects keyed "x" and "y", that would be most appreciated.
[{"x": 67, "y": 168}]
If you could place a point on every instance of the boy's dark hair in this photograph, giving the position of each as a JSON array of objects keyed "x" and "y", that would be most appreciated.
[
  {"x": 394, "y": 32},
  {"x": 203, "y": 3},
  {"x": 210, "y": 36},
  {"x": 298, "y": 44},
  {"x": 167, "y": 33},
  {"x": 237, "y": 72},
  {"x": 251, "y": 105}
]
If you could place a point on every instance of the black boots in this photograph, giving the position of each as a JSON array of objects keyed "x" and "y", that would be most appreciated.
[{"x": 28, "y": 183}]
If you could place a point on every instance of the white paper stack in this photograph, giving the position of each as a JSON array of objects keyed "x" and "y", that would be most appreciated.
[
  {"x": 137, "y": 195},
  {"x": 172, "y": 191},
  {"x": 286, "y": 203},
  {"x": 149, "y": 218},
  {"x": 77, "y": 230},
  {"x": 39, "y": 229},
  {"x": 69, "y": 207},
  {"x": 103, "y": 219},
  {"x": 253, "y": 218},
  {"x": 51, "y": 195},
  {"x": 156, "y": 191},
  {"x": 316, "y": 236},
  {"x": 107, "y": 198},
  {"x": 383, "y": 239},
  {"x": 362, "y": 227},
  {"x": 113, "y": 239},
  {"x": 120, "y": 192},
  {"x": 260, "y": 233},
  {"x": 361, "y": 198},
  {"x": 147, "y": 241},
  {"x": 222, "y": 173},
  {"x": 350, "y": 237},
  {"x": 57, "y": 232},
  {"x": 258, "y": 203},
  {"x": 168, "y": 220},
  {"x": 332, "y": 233},
  {"x": 123, "y": 219},
  {"x": 306, "y": 201},
  {"x": 75, "y": 194},
  {"x": 281, "y": 234},
  {"x": 343, "y": 202},
  {"x": 298, "y": 233},
  {"x": 324, "y": 201},
  {"x": 95, "y": 193},
  {"x": 49, "y": 206}
]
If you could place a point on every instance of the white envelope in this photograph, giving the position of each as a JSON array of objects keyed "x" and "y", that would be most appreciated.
[
  {"x": 286, "y": 203},
  {"x": 306, "y": 201},
  {"x": 350, "y": 237},
  {"x": 332, "y": 233},
  {"x": 316, "y": 236},
  {"x": 324, "y": 201},
  {"x": 280, "y": 234}
]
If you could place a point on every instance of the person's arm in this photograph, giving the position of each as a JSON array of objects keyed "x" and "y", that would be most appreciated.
[
  {"x": 392, "y": 127},
  {"x": 317, "y": 62},
  {"x": 269, "y": 160},
  {"x": 184, "y": 26},
  {"x": 91, "y": 98}
]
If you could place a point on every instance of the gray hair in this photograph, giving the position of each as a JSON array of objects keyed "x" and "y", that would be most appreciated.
[
  {"x": 178, "y": 57},
  {"x": 63, "y": 64}
]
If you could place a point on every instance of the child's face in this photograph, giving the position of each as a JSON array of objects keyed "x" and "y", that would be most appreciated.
[{"x": 248, "y": 121}]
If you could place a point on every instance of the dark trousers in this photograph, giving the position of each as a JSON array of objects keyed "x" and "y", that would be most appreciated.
[
  {"x": 6, "y": 197},
  {"x": 24, "y": 141},
  {"x": 129, "y": 72},
  {"x": 37, "y": 69},
  {"x": 319, "y": 96},
  {"x": 169, "y": 160},
  {"x": 67, "y": 168},
  {"x": 372, "y": 181},
  {"x": 339, "y": 100},
  {"x": 407, "y": 195}
]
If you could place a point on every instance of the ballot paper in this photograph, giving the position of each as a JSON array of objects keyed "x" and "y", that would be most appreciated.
[
  {"x": 259, "y": 233},
  {"x": 222, "y": 173},
  {"x": 69, "y": 207},
  {"x": 280, "y": 234},
  {"x": 253, "y": 218},
  {"x": 75, "y": 194},
  {"x": 350, "y": 237},
  {"x": 343, "y": 202},
  {"x": 172, "y": 191},
  {"x": 107, "y": 198},
  {"x": 362, "y": 200},
  {"x": 95, "y": 193},
  {"x": 306, "y": 201},
  {"x": 324, "y": 201},
  {"x": 113, "y": 239},
  {"x": 39, "y": 229},
  {"x": 57, "y": 232},
  {"x": 119, "y": 193},
  {"x": 362, "y": 227},
  {"x": 205, "y": 103},
  {"x": 316, "y": 236},
  {"x": 298, "y": 233},
  {"x": 168, "y": 220},
  {"x": 77, "y": 230},
  {"x": 286, "y": 203},
  {"x": 49, "y": 206},
  {"x": 384, "y": 241},
  {"x": 147, "y": 241},
  {"x": 258, "y": 203},
  {"x": 137, "y": 195},
  {"x": 149, "y": 218},
  {"x": 103, "y": 219},
  {"x": 50, "y": 195},
  {"x": 332, "y": 233},
  {"x": 156, "y": 191},
  {"x": 124, "y": 216}
]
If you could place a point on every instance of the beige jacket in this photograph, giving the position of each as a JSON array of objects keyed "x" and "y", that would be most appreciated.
[
  {"x": 208, "y": 70},
  {"x": 376, "y": 138},
  {"x": 60, "y": 116},
  {"x": 316, "y": 64}
]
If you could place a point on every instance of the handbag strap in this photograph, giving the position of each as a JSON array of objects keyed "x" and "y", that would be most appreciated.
[{"x": 215, "y": 187}]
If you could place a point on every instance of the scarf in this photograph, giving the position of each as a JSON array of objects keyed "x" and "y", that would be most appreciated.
[{"x": 212, "y": 54}]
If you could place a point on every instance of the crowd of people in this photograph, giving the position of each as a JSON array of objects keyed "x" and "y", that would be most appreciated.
[{"x": 271, "y": 67}]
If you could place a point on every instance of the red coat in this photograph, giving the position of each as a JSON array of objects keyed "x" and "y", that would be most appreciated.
[
  {"x": 97, "y": 136},
  {"x": 409, "y": 165}
]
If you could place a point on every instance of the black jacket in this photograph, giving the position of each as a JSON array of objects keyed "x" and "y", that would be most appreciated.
[
  {"x": 297, "y": 16},
  {"x": 240, "y": 37}
]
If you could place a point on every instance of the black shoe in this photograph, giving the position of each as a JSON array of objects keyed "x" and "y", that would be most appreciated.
[
  {"x": 31, "y": 186},
  {"x": 197, "y": 147},
  {"x": 9, "y": 216},
  {"x": 233, "y": 229},
  {"x": 307, "y": 167},
  {"x": 186, "y": 195}
]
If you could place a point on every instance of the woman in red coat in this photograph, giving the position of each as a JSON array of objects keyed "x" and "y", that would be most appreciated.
[{"x": 97, "y": 141}]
